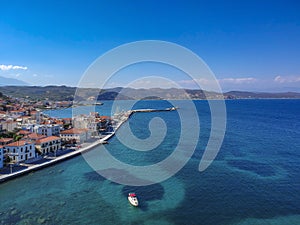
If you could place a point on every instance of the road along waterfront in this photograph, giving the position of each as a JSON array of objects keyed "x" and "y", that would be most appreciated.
[{"x": 121, "y": 119}]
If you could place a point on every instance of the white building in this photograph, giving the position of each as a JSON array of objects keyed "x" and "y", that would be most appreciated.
[
  {"x": 86, "y": 122},
  {"x": 20, "y": 151},
  {"x": 47, "y": 129},
  {"x": 9, "y": 125},
  {"x": 48, "y": 144},
  {"x": 1, "y": 156},
  {"x": 75, "y": 135}
]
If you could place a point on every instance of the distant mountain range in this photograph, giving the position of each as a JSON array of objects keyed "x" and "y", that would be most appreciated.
[
  {"x": 61, "y": 93},
  {"x": 53, "y": 93},
  {"x": 4, "y": 81}
]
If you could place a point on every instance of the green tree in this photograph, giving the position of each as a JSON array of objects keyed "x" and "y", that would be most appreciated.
[{"x": 17, "y": 137}]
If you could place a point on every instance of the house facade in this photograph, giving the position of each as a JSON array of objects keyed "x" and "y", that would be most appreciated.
[
  {"x": 75, "y": 135},
  {"x": 20, "y": 151},
  {"x": 47, "y": 130},
  {"x": 44, "y": 129},
  {"x": 48, "y": 144},
  {"x": 9, "y": 125}
]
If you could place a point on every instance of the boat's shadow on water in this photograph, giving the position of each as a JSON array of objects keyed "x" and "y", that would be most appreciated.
[{"x": 145, "y": 194}]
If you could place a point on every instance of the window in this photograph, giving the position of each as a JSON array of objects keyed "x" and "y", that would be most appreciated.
[{"x": 21, "y": 157}]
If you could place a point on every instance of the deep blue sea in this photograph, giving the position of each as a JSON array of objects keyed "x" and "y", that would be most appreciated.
[{"x": 255, "y": 178}]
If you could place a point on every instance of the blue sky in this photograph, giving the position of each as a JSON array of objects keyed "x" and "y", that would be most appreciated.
[{"x": 249, "y": 45}]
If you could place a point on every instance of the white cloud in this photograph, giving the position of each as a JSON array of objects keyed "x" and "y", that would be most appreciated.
[
  {"x": 287, "y": 79},
  {"x": 212, "y": 85},
  {"x": 201, "y": 81},
  {"x": 244, "y": 80},
  {"x": 152, "y": 82},
  {"x": 12, "y": 67},
  {"x": 204, "y": 81},
  {"x": 48, "y": 76}
]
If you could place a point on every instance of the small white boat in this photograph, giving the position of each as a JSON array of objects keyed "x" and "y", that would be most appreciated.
[{"x": 133, "y": 199}]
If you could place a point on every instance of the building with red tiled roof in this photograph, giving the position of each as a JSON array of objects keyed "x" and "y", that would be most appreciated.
[
  {"x": 48, "y": 144},
  {"x": 20, "y": 150},
  {"x": 67, "y": 119},
  {"x": 5, "y": 141},
  {"x": 35, "y": 136},
  {"x": 3, "y": 113},
  {"x": 24, "y": 132},
  {"x": 17, "y": 143},
  {"x": 75, "y": 135},
  {"x": 18, "y": 112},
  {"x": 74, "y": 131}
]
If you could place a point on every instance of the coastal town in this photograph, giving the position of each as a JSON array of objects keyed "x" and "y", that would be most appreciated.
[
  {"x": 28, "y": 136},
  {"x": 30, "y": 139}
]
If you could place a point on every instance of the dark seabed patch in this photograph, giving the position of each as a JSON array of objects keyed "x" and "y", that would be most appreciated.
[
  {"x": 122, "y": 176},
  {"x": 93, "y": 176},
  {"x": 258, "y": 168}
]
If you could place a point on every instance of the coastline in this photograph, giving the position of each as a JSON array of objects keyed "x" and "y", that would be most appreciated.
[
  {"x": 120, "y": 121},
  {"x": 58, "y": 159}
]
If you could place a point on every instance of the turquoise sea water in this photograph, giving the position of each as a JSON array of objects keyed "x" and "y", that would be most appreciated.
[{"x": 255, "y": 178}]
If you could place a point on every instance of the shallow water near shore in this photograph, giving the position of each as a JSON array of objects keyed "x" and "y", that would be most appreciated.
[{"x": 255, "y": 178}]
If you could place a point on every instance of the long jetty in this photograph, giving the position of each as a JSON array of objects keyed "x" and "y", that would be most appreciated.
[
  {"x": 151, "y": 110},
  {"x": 154, "y": 110},
  {"x": 35, "y": 167}
]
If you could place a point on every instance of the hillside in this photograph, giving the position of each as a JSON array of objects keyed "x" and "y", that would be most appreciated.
[
  {"x": 54, "y": 93},
  {"x": 62, "y": 93}
]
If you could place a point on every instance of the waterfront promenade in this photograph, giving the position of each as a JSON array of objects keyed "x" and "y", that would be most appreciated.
[
  {"x": 33, "y": 167},
  {"x": 51, "y": 161}
]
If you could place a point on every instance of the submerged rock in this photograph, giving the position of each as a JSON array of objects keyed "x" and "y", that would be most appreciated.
[
  {"x": 14, "y": 212},
  {"x": 41, "y": 220},
  {"x": 62, "y": 203}
]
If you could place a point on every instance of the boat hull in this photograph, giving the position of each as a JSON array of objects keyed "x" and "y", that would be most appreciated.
[{"x": 133, "y": 201}]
